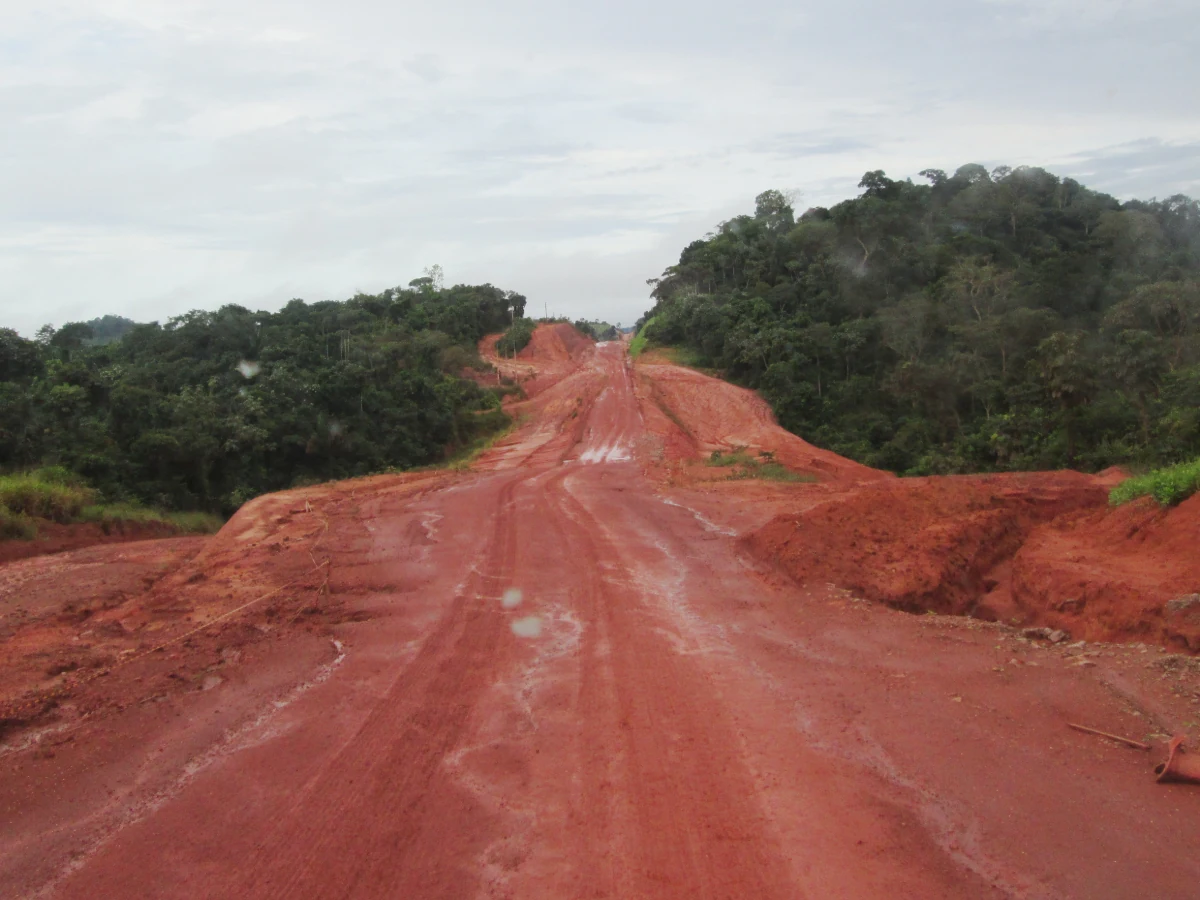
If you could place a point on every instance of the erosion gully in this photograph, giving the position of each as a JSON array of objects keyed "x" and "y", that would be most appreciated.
[{"x": 561, "y": 682}]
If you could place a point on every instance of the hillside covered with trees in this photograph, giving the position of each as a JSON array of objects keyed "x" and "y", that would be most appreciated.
[
  {"x": 995, "y": 320},
  {"x": 212, "y": 408}
]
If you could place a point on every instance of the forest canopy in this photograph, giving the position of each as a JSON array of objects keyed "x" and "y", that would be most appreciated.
[
  {"x": 212, "y": 408},
  {"x": 985, "y": 320}
]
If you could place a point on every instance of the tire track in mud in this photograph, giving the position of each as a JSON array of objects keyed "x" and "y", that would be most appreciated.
[
  {"x": 675, "y": 801},
  {"x": 382, "y": 816}
]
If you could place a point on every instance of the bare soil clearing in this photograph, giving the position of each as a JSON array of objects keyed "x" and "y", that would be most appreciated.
[{"x": 594, "y": 667}]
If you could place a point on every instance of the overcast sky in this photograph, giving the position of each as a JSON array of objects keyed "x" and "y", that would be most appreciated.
[{"x": 163, "y": 156}]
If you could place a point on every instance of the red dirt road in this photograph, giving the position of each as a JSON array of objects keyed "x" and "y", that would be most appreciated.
[{"x": 557, "y": 676}]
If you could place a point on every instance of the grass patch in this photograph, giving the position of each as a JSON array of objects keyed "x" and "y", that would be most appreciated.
[
  {"x": 16, "y": 526},
  {"x": 57, "y": 495},
  {"x": 109, "y": 515},
  {"x": 195, "y": 522},
  {"x": 1168, "y": 486},
  {"x": 638, "y": 344},
  {"x": 776, "y": 472},
  {"x": 462, "y": 460},
  {"x": 51, "y": 493},
  {"x": 762, "y": 467}
]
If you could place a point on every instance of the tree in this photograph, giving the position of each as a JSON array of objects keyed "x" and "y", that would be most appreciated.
[
  {"x": 774, "y": 210},
  {"x": 70, "y": 338},
  {"x": 1068, "y": 376},
  {"x": 914, "y": 326}
]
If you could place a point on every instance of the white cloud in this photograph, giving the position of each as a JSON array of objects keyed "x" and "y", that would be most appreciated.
[{"x": 165, "y": 155}]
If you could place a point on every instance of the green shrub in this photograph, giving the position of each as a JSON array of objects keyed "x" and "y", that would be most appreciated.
[
  {"x": 60, "y": 495},
  {"x": 44, "y": 495},
  {"x": 1168, "y": 486},
  {"x": 516, "y": 338},
  {"x": 638, "y": 344},
  {"x": 59, "y": 475},
  {"x": 15, "y": 525}
]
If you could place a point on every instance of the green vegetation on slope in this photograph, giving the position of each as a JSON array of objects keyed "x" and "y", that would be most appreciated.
[
  {"x": 1169, "y": 486},
  {"x": 516, "y": 337},
  {"x": 638, "y": 344},
  {"x": 54, "y": 494},
  {"x": 213, "y": 408},
  {"x": 985, "y": 321},
  {"x": 744, "y": 465}
]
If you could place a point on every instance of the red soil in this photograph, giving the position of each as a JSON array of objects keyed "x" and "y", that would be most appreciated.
[
  {"x": 921, "y": 543},
  {"x": 555, "y": 343},
  {"x": 1132, "y": 573},
  {"x": 55, "y": 538},
  {"x": 694, "y": 414},
  {"x": 559, "y": 676},
  {"x": 552, "y": 353}
]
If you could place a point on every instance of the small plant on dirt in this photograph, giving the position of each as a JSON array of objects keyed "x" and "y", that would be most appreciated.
[
  {"x": 764, "y": 467},
  {"x": 773, "y": 471},
  {"x": 739, "y": 457},
  {"x": 1168, "y": 486}
]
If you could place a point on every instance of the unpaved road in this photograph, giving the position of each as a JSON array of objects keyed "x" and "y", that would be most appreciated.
[{"x": 551, "y": 677}]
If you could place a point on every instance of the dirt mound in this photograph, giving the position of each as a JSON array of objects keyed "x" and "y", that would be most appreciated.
[
  {"x": 69, "y": 619},
  {"x": 923, "y": 543},
  {"x": 1129, "y": 573},
  {"x": 694, "y": 415},
  {"x": 555, "y": 343},
  {"x": 552, "y": 354}
]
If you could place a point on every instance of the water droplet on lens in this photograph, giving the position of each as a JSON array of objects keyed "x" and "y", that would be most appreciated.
[
  {"x": 529, "y": 627},
  {"x": 511, "y": 598}
]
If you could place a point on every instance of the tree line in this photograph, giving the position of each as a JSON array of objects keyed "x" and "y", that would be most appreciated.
[
  {"x": 212, "y": 408},
  {"x": 985, "y": 320}
]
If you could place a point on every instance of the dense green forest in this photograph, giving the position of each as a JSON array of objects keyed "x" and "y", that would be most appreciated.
[
  {"x": 212, "y": 408},
  {"x": 984, "y": 321}
]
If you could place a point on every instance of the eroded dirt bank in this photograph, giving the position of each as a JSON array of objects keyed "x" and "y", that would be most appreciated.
[
  {"x": 568, "y": 673},
  {"x": 56, "y": 538}
]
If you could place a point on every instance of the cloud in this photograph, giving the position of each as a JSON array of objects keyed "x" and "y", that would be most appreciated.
[
  {"x": 1143, "y": 168},
  {"x": 165, "y": 154}
]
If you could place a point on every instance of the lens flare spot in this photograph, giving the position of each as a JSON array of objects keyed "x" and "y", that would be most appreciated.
[
  {"x": 248, "y": 369},
  {"x": 528, "y": 627},
  {"x": 511, "y": 598}
]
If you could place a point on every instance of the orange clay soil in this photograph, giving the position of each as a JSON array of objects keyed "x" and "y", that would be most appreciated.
[
  {"x": 1127, "y": 574},
  {"x": 53, "y": 537},
  {"x": 588, "y": 668}
]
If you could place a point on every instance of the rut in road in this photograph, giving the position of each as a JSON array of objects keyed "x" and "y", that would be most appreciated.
[{"x": 363, "y": 826}]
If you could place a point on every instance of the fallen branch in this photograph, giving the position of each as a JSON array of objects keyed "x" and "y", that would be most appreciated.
[{"x": 1138, "y": 745}]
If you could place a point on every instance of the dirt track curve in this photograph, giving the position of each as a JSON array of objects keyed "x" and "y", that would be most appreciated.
[{"x": 565, "y": 673}]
